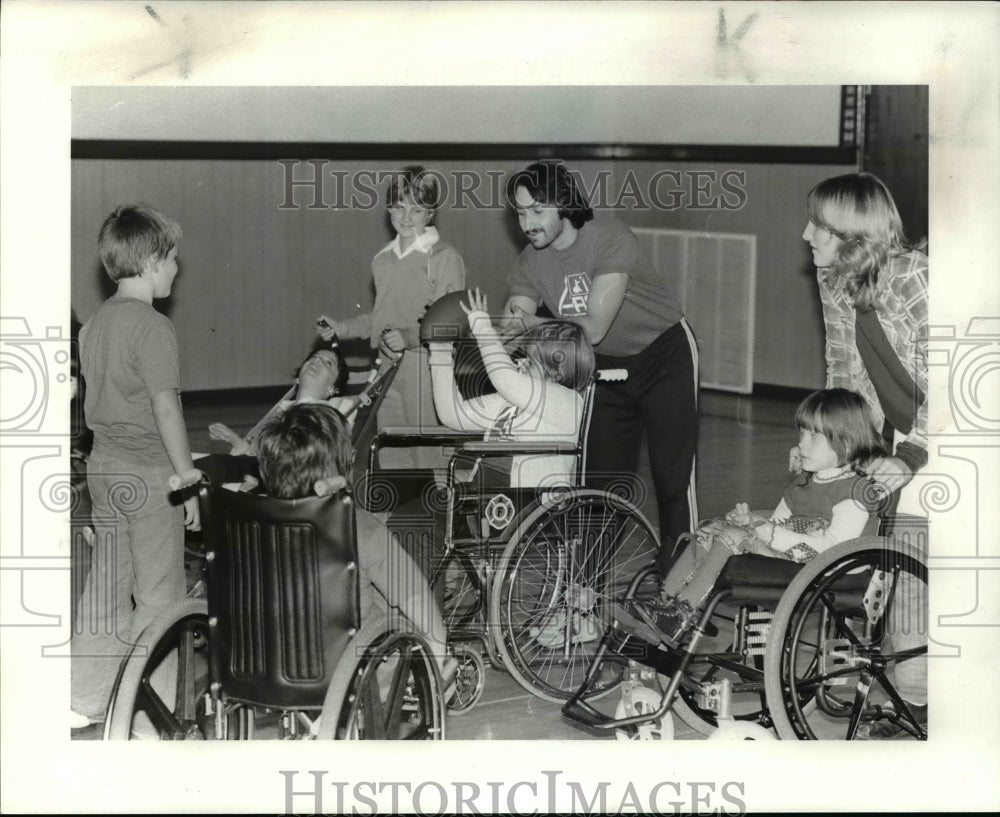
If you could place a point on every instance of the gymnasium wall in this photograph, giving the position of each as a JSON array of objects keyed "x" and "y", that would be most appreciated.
[{"x": 260, "y": 259}]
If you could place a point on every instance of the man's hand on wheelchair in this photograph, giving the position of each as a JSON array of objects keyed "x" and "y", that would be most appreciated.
[{"x": 516, "y": 321}]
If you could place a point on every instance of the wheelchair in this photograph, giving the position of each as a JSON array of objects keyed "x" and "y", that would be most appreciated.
[
  {"x": 279, "y": 647},
  {"x": 527, "y": 576},
  {"x": 801, "y": 651}
]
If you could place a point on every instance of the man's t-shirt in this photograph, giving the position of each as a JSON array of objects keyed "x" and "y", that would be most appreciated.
[
  {"x": 563, "y": 279},
  {"x": 128, "y": 355}
]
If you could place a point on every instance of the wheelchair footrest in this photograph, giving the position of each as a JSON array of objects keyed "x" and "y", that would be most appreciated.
[{"x": 585, "y": 715}]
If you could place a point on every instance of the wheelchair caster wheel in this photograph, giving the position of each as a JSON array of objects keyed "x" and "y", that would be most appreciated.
[
  {"x": 641, "y": 700},
  {"x": 470, "y": 679}
]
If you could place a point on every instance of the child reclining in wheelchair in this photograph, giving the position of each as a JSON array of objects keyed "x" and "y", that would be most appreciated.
[
  {"x": 306, "y": 450},
  {"x": 537, "y": 398},
  {"x": 320, "y": 379},
  {"x": 833, "y": 500}
]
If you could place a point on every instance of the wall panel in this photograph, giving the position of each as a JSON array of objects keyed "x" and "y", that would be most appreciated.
[{"x": 254, "y": 276}]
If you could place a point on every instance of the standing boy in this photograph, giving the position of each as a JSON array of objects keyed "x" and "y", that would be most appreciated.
[{"x": 130, "y": 365}]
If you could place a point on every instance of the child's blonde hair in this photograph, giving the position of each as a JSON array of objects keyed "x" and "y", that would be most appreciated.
[
  {"x": 843, "y": 417},
  {"x": 133, "y": 234},
  {"x": 563, "y": 352}
]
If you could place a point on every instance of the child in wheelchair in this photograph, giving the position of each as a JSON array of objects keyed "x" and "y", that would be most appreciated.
[
  {"x": 306, "y": 450},
  {"x": 538, "y": 398},
  {"x": 833, "y": 500},
  {"x": 320, "y": 379}
]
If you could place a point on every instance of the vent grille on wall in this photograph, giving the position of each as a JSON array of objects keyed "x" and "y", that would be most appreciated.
[{"x": 715, "y": 277}]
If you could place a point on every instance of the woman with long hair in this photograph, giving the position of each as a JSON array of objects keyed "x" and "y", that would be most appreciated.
[{"x": 873, "y": 287}]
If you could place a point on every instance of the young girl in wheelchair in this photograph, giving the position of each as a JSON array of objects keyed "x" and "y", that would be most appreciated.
[
  {"x": 320, "y": 379},
  {"x": 539, "y": 396},
  {"x": 831, "y": 501}
]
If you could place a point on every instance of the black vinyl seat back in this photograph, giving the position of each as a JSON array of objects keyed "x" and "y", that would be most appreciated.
[{"x": 283, "y": 594}]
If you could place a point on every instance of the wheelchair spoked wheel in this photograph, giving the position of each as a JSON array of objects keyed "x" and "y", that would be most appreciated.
[
  {"x": 161, "y": 686},
  {"x": 831, "y": 641},
  {"x": 387, "y": 686},
  {"x": 553, "y": 596},
  {"x": 470, "y": 680},
  {"x": 463, "y": 604}
]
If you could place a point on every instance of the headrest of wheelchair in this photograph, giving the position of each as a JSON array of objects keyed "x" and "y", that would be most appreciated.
[{"x": 444, "y": 319}]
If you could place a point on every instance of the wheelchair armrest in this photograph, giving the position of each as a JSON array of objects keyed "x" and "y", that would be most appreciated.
[
  {"x": 513, "y": 447},
  {"x": 427, "y": 435},
  {"x": 754, "y": 570}
]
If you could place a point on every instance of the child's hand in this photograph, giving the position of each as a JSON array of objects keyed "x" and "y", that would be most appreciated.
[
  {"x": 740, "y": 515},
  {"x": 223, "y": 433},
  {"x": 192, "y": 514},
  {"x": 220, "y": 431},
  {"x": 795, "y": 460},
  {"x": 327, "y": 328},
  {"x": 481, "y": 325},
  {"x": 393, "y": 340},
  {"x": 477, "y": 302},
  {"x": 177, "y": 482}
]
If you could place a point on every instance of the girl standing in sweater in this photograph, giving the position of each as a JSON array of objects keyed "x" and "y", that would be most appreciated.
[{"x": 410, "y": 272}]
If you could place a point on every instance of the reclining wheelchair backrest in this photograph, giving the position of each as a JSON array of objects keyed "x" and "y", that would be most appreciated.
[{"x": 283, "y": 594}]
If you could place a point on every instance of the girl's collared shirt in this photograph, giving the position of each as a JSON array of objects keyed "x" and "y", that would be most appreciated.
[{"x": 422, "y": 243}]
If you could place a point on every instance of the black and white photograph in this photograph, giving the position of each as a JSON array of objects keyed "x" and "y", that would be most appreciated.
[{"x": 532, "y": 379}]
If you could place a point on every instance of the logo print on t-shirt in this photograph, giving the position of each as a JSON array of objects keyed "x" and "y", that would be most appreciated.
[{"x": 575, "y": 294}]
